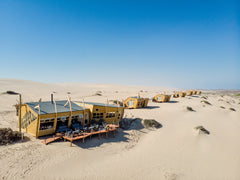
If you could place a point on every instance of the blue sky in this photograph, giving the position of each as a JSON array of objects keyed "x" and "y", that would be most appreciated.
[{"x": 183, "y": 44}]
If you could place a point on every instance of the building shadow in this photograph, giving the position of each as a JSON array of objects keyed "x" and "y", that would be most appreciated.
[
  {"x": 151, "y": 107},
  {"x": 112, "y": 137},
  {"x": 121, "y": 135},
  {"x": 172, "y": 101}
]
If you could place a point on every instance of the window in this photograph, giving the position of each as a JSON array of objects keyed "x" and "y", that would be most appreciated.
[
  {"x": 52, "y": 119},
  {"x": 110, "y": 114},
  {"x": 96, "y": 109},
  {"x": 86, "y": 115},
  {"x": 81, "y": 117},
  {"x": 45, "y": 126},
  {"x": 86, "y": 121},
  {"x": 130, "y": 103}
]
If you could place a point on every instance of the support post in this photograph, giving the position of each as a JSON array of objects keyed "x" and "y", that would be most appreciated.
[{"x": 20, "y": 113}]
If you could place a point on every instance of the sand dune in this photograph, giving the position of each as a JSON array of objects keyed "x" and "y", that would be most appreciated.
[{"x": 175, "y": 151}]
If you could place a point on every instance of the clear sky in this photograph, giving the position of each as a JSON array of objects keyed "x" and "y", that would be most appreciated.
[{"x": 183, "y": 44}]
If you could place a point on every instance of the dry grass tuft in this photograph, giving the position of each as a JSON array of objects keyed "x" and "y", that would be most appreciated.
[
  {"x": 232, "y": 109},
  {"x": 202, "y": 130},
  {"x": 206, "y": 102},
  {"x": 190, "y": 108},
  {"x": 151, "y": 123},
  {"x": 98, "y": 93},
  {"x": 204, "y": 97},
  {"x": 7, "y": 136},
  {"x": 222, "y": 107}
]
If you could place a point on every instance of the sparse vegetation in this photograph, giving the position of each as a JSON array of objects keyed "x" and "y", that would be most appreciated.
[
  {"x": 204, "y": 97},
  {"x": 238, "y": 94},
  {"x": 151, "y": 123},
  {"x": 232, "y": 109},
  {"x": 206, "y": 102},
  {"x": 98, "y": 93},
  {"x": 7, "y": 136},
  {"x": 190, "y": 108},
  {"x": 222, "y": 107},
  {"x": 202, "y": 130}
]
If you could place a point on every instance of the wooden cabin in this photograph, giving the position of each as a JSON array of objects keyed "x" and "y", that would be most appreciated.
[
  {"x": 189, "y": 93},
  {"x": 194, "y": 92},
  {"x": 199, "y": 92},
  {"x": 161, "y": 98},
  {"x": 179, "y": 94},
  {"x": 44, "y": 118},
  {"x": 106, "y": 112},
  {"x": 135, "y": 102}
]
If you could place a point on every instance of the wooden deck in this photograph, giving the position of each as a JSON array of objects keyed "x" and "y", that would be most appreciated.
[
  {"x": 82, "y": 136},
  {"x": 52, "y": 139}
]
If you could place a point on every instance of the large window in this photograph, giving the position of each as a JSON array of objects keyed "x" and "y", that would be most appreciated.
[
  {"x": 81, "y": 117},
  {"x": 130, "y": 103},
  {"x": 27, "y": 119},
  {"x": 46, "y": 125}
]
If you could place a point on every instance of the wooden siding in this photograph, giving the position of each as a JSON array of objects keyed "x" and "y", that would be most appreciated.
[{"x": 164, "y": 98}]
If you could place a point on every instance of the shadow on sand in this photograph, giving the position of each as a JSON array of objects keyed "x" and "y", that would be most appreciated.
[
  {"x": 112, "y": 137},
  {"x": 172, "y": 102},
  {"x": 151, "y": 107}
]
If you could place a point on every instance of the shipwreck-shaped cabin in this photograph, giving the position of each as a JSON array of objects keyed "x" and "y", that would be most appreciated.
[
  {"x": 199, "y": 92},
  {"x": 179, "y": 94},
  {"x": 44, "y": 118},
  {"x": 194, "y": 92},
  {"x": 135, "y": 102},
  {"x": 189, "y": 93},
  {"x": 161, "y": 98},
  {"x": 103, "y": 112}
]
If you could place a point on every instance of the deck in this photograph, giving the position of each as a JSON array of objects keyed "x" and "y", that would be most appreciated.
[{"x": 74, "y": 137}]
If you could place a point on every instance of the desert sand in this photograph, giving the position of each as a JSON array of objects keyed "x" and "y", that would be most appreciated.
[{"x": 174, "y": 151}]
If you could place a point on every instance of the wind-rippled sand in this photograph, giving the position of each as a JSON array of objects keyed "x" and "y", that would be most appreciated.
[{"x": 175, "y": 151}]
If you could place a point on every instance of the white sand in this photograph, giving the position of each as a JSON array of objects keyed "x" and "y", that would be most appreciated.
[{"x": 174, "y": 151}]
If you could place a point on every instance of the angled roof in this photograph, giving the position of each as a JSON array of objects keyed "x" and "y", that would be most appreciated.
[
  {"x": 137, "y": 97},
  {"x": 47, "y": 107},
  {"x": 98, "y": 104}
]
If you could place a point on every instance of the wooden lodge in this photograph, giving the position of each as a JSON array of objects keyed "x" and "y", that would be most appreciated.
[
  {"x": 179, "y": 94},
  {"x": 50, "y": 117},
  {"x": 199, "y": 92},
  {"x": 161, "y": 98},
  {"x": 44, "y": 118},
  {"x": 135, "y": 102},
  {"x": 106, "y": 112},
  {"x": 189, "y": 93}
]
